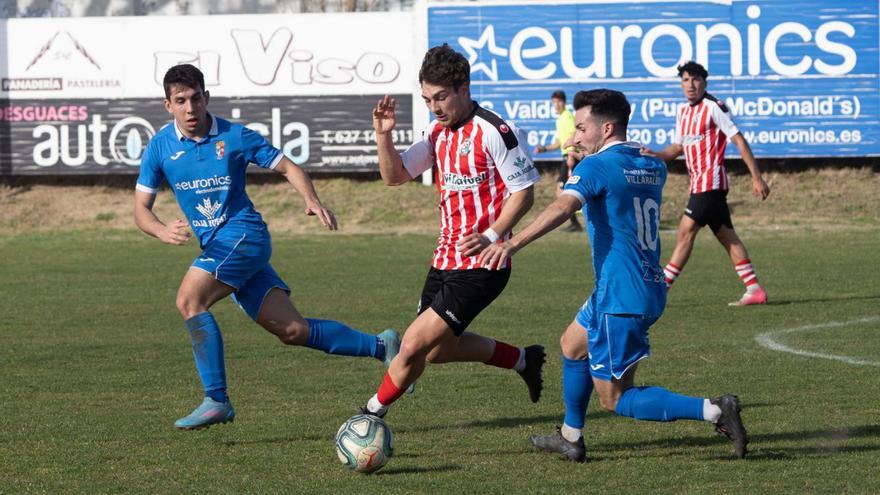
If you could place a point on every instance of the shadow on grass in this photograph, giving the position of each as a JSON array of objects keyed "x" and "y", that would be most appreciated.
[
  {"x": 761, "y": 445},
  {"x": 512, "y": 422},
  {"x": 419, "y": 470},
  {"x": 786, "y": 302},
  {"x": 287, "y": 439}
]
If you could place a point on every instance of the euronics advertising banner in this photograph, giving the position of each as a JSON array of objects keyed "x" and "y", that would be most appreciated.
[
  {"x": 84, "y": 95},
  {"x": 801, "y": 78}
]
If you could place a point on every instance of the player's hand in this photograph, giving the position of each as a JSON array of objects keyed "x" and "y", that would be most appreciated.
[
  {"x": 647, "y": 151},
  {"x": 473, "y": 244},
  {"x": 760, "y": 188},
  {"x": 327, "y": 218},
  {"x": 493, "y": 256},
  {"x": 539, "y": 149},
  {"x": 384, "y": 117},
  {"x": 176, "y": 233}
]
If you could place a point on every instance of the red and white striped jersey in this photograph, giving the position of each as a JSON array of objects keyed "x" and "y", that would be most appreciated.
[
  {"x": 702, "y": 131},
  {"x": 477, "y": 165}
]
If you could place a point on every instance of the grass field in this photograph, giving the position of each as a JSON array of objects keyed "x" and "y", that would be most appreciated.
[{"x": 95, "y": 365}]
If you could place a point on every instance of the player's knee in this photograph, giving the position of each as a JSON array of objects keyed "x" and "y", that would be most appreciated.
[
  {"x": 189, "y": 307},
  {"x": 608, "y": 403},
  {"x": 573, "y": 347},
  {"x": 293, "y": 333},
  {"x": 412, "y": 351}
]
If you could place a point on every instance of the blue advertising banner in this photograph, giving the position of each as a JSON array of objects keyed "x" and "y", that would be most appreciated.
[{"x": 802, "y": 79}]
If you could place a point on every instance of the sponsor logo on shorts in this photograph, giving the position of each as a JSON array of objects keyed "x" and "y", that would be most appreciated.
[
  {"x": 688, "y": 211},
  {"x": 452, "y": 316},
  {"x": 596, "y": 367}
]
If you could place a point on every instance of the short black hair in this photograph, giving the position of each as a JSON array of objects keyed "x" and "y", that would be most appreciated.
[
  {"x": 183, "y": 75},
  {"x": 694, "y": 69},
  {"x": 607, "y": 104},
  {"x": 446, "y": 67},
  {"x": 558, "y": 95}
]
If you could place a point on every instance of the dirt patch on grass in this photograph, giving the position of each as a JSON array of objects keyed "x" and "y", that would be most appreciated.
[{"x": 816, "y": 199}]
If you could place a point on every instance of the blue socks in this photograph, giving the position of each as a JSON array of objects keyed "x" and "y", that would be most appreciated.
[
  {"x": 333, "y": 337},
  {"x": 577, "y": 385},
  {"x": 207, "y": 346},
  {"x": 658, "y": 404}
]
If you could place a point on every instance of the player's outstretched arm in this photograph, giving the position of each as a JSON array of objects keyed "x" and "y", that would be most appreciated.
[
  {"x": 667, "y": 154},
  {"x": 515, "y": 206},
  {"x": 301, "y": 182},
  {"x": 759, "y": 187},
  {"x": 176, "y": 232},
  {"x": 553, "y": 216},
  {"x": 390, "y": 164}
]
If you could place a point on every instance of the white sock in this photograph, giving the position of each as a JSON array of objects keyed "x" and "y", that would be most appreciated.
[
  {"x": 521, "y": 362},
  {"x": 376, "y": 407},
  {"x": 711, "y": 412},
  {"x": 571, "y": 434}
]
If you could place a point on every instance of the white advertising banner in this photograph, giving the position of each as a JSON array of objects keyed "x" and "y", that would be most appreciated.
[{"x": 244, "y": 55}]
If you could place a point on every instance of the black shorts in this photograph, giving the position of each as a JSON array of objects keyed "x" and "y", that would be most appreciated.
[
  {"x": 563, "y": 171},
  {"x": 458, "y": 296},
  {"x": 709, "y": 208}
]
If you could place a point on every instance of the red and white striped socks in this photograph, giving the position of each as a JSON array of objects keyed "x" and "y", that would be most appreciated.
[
  {"x": 746, "y": 273},
  {"x": 672, "y": 272}
]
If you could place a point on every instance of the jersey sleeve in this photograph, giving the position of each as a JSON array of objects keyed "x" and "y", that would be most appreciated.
[
  {"x": 151, "y": 175},
  {"x": 586, "y": 180},
  {"x": 258, "y": 151},
  {"x": 679, "y": 128},
  {"x": 723, "y": 119},
  {"x": 419, "y": 157},
  {"x": 514, "y": 163}
]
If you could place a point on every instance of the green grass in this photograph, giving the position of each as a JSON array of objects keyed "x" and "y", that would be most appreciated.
[{"x": 95, "y": 365}]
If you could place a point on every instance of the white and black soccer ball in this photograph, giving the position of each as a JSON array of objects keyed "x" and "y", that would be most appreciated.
[{"x": 364, "y": 443}]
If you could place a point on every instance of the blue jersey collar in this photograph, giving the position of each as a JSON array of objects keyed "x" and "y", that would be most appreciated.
[{"x": 213, "y": 132}]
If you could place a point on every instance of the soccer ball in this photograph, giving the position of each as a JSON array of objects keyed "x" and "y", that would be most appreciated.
[{"x": 364, "y": 443}]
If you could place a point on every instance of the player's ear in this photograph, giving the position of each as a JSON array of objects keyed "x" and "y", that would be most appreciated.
[
  {"x": 167, "y": 103},
  {"x": 207, "y": 96}
]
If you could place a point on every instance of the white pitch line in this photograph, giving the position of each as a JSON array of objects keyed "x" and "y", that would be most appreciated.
[{"x": 766, "y": 339}]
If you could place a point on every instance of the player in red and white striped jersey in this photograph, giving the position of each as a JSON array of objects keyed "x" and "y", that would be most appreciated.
[
  {"x": 703, "y": 128},
  {"x": 485, "y": 179}
]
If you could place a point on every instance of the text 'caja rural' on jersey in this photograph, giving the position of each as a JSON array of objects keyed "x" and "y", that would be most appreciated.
[
  {"x": 477, "y": 165},
  {"x": 208, "y": 177},
  {"x": 621, "y": 191},
  {"x": 703, "y": 130}
]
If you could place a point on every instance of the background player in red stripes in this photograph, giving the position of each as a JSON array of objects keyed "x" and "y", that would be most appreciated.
[
  {"x": 703, "y": 128},
  {"x": 485, "y": 179}
]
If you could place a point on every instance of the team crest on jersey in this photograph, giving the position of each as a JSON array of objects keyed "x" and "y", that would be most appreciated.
[
  {"x": 220, "y": 149},
  {"x": 465, "y": 147}
]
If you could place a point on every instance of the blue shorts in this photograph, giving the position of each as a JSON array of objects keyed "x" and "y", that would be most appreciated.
[
  {"x": 616, "y": 342},
  {"x": 241, "y": 261}
]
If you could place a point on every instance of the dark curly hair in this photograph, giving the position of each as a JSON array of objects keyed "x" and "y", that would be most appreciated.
[
  {"x": 446, "y": 67},
  {"x": 694, "y": 69},
  {"x": 183, "y": 75},
  {"x": 607, "y": 104}
]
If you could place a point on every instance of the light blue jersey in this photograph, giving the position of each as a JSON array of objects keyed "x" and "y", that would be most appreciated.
[
  {"x": 207, "y": 177},
  {"x": 621, "y": 191}
]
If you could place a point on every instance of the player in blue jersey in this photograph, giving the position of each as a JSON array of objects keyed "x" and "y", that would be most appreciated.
[
  {"x": 204, "y": 160},
  {"x": 620, "y": 191}
]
